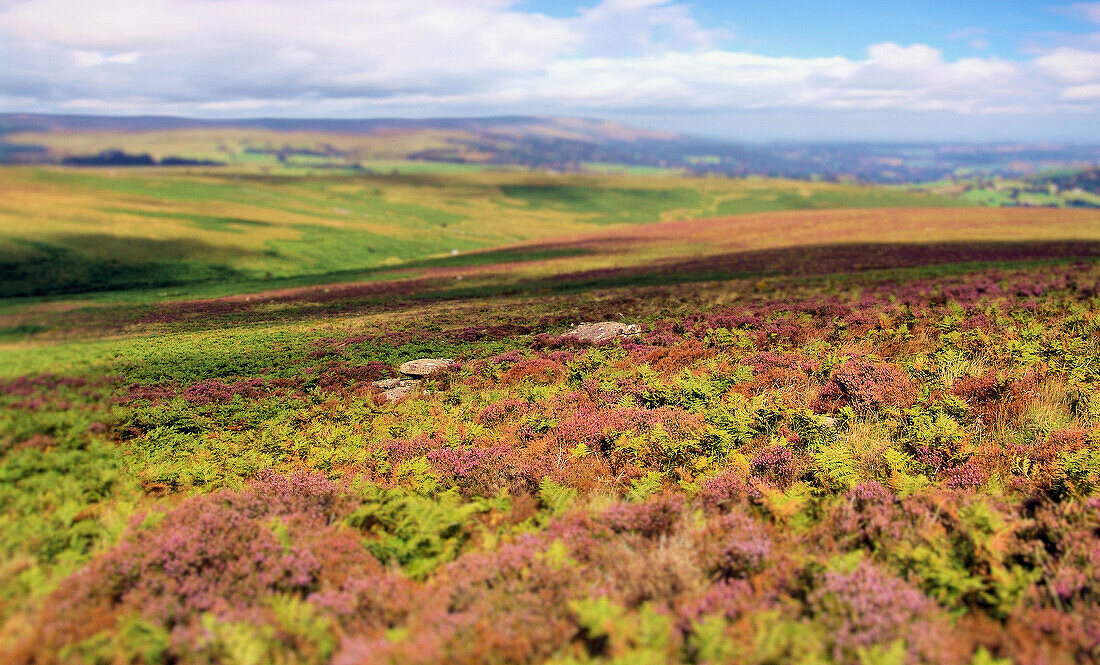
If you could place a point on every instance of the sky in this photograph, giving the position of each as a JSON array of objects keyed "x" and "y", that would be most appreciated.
[{"x": 974, "y": 70}]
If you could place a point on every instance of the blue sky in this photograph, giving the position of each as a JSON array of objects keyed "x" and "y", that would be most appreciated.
[
  {"x": 1005, "y": 28},
  {"x": 811, "y": 70}
]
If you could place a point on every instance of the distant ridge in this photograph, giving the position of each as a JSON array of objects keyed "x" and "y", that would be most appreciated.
[
  {"x": 595, "y": 130},
  {"x": 542, "y": 142}
]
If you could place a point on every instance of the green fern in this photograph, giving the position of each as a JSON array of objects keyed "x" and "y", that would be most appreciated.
[
  {"x": 645, "y": 486},
  {"x": 418, "y": 532},
  {"x": 836, "y": 464},
  {"x": 897, "y": 460},
  {"x": 555, "y": 497}
]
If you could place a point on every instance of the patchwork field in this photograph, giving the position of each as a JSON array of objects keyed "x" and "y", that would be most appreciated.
[
  {"x": 245, "y": 147},
  {"x": 264, "y": 145},
  {"x": 842, "y": 432}
]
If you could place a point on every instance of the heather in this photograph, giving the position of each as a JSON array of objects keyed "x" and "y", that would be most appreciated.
[{"x": 886, "y": 463}]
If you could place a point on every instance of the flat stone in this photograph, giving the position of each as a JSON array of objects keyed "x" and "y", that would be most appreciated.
[
  {"x": 386, "y": 384},
  {"x": 601, "y": 332},
  {"x": 395, "y": 389},
  {"x": 425, "y": 366}
]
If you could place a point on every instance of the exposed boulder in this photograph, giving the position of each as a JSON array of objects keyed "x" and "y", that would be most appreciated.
[
  {"x": 601, "y": 332},
  {"x": 395, "y": 389},
  {"x": 426, "y": 366}
]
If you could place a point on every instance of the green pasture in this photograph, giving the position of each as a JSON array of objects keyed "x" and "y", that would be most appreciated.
[{"x": 67, "y": 231}]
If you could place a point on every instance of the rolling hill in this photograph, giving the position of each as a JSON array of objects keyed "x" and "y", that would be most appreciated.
[
  {"x": 71, "y": 230},
  {"x": 558, "y": 143},
  {"x": 836, "y": 427}
]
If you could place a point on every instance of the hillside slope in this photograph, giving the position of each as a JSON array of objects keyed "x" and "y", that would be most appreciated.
[
  {"x": 82, "y": 230},
  {"x": 836, "y": 436}
]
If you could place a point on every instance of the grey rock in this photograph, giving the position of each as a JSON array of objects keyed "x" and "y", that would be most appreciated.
[
  {"x": 386, "y": 384},
  {"x": 601, "y": 332},
  {"x": 425, "y": 366},
  {"x": 395, "y": 389}
]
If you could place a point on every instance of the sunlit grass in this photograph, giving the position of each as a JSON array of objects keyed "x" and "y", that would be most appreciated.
[{"x": 108, "y": 229}]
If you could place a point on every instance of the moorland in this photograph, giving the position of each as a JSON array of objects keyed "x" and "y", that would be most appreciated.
[
  {"x": 851, "y": 424},
  {"x": 542, "y": 142}
]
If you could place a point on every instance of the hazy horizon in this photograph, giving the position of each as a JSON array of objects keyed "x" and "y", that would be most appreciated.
[{"x": 793, "y": 138}]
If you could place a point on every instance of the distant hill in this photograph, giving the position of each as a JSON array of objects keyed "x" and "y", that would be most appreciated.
[
  {"x": 556, "y": 143},
  {"x": 1084, "y": 180},
  {"x": 578, "y": 129}
]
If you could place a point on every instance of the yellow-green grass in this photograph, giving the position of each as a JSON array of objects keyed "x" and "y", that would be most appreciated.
[
  {"x": 68, "y": 230},
  {"x": 775, "y": 244},
  {"x": 238, "y": 146},
  {"x": 761, "y": 249}
]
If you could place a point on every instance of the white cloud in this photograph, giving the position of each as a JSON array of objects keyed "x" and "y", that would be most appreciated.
[
  {"x": 625, "y": 27},
  {"x": 1071, "y": 65},
  {"x": 356, "y": 57},
  {"x": 892, "y": 76},
  {"x": 1082, "y": 92}
]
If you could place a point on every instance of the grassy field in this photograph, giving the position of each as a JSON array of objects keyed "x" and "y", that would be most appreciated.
[
  {"x": 463, "y": 147},
  {"x": 248, "y": 147},
  {"x": 1036, "y": 192},
  {"x": 844, "y": 433},
  {"x": 65, "y": 231}
]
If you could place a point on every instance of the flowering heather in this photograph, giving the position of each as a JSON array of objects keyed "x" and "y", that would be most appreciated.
[
  {"x": 781, "y": 368},
  {"x": 866, "y": 517},
  {"x": 744, "y": 548},
  {"x": 28, "y": 385},
  {"x": 721, "y": 492},
  {"x": 969, "y": 475},
  {"x": 650, "y": 519},
  {"x": 223, "y": 554},
  {"x": 498, "y": 412},
  {"x": 777, "y": 463},
  {"x": 404, "y": 450},
  {"x": 151, "y": 394},
  {"x": 477, "y": 333},
  {"x": 862, "y": 463},
  {"x": 868, "y": 386},
  {"x": 218, "y": 392},
  {"x": 867, "y": 607},
  {"x": 535, "y": 370},
  {"x": 509, "y": 358},
  {"x": 340, "y": 375}
]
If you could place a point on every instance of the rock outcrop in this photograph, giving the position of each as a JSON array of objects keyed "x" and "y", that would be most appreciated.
[
  {"x": 601, "y": 332},
  {"x": 395, "y": 389},
  {"x": 425, "y": 366}
]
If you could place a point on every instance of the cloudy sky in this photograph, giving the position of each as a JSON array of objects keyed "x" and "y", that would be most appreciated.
[{"x": 755, "y": 70}]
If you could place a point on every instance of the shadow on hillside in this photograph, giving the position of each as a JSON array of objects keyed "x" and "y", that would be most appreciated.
[
  {"x": 335, "y": 280},
  {"x": 81, "y": 263},
  {"x": 75, "y": 264},
  {"x": 820, "y": 260},
  {"x": 825, "y": 260},
  {"x": 203, "y": 222},
  {"x": 524, "y": 254}
]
